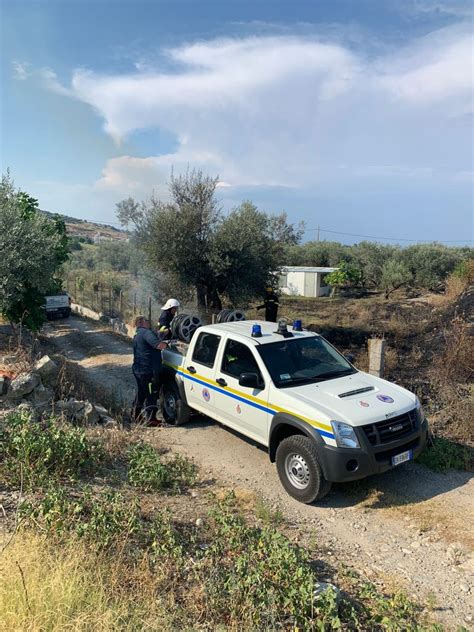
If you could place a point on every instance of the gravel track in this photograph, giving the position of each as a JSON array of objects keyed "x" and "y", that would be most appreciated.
[{"x": 410, "y": 527}]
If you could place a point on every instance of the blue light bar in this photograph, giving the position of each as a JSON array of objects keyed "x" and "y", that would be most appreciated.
[
  {"x": 256, "y": 331},
  {"x": 297, "y": 325}
]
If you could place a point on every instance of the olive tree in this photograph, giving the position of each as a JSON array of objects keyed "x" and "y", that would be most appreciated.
[
  {"x": 395, "y": 275},
  {"x": 33, "y": 247},
  {"x": 196, "y": 246}
]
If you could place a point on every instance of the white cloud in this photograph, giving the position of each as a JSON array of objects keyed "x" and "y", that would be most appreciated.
[
  {"x": 438, "y": 67},
  {"x": 20, "y": 70},
  {"x": 288, "y": 111}
]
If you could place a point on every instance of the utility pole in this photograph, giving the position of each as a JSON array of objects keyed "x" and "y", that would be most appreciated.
[{"x": 317, "y": 239}]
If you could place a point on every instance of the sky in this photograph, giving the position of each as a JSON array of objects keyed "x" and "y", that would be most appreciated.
[{"x": 352, "y": 115}]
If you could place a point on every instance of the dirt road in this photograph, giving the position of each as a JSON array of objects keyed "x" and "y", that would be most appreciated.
[{"x": 410, "y": 527}]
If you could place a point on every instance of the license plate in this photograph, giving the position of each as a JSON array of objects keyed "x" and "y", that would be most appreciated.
[{"x": 401, "y": 458}]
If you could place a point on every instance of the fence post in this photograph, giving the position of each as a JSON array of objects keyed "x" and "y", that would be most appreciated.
[
  {"x": 149, "y": 308},
  {"x": 376, "y": 356},
  {"x": 121, "y": 304},
  {"x": 101, "y": 297},
  {"x": 75, "y": 289},
  {"x": 134, "y": 305},
  {"x": 110, "y": 300}
]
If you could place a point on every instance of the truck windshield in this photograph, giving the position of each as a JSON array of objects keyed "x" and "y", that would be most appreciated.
[{"x": 302, "y": 361}]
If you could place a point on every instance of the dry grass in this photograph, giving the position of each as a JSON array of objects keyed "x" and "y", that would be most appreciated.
[{"x": 44, "y": 587}]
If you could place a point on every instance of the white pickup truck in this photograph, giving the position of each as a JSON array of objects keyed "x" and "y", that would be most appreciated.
[
  {"x": 57, "y": 305},
  {"x": 291, "y": 391}
]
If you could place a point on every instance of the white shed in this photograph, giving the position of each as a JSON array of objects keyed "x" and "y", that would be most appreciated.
[{"x": 304, "y": 281}]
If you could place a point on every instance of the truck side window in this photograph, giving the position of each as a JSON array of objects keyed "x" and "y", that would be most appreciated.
[
  {"x": 205, "y": 349},
  {"x": 238, "y": 359}
]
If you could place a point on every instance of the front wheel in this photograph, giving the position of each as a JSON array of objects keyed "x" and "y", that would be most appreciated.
[{"x": 299, "y": 469}]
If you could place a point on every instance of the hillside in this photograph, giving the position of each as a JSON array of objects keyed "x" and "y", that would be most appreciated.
[{"x": 83, "y": 228}]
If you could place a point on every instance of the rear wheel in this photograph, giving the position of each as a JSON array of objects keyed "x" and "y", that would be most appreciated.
[
  {"x": 299, "y": 469},
  {"x": 175, "y": 412}
]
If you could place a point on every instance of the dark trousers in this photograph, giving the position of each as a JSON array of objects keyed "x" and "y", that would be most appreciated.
[
  {"x": 147, "y": 394},
  {"x": 271, "y": 314}
]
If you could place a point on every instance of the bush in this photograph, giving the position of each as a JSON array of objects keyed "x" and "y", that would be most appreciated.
[
  {"x": 147, "y": 471},
  {"x": 38, "y": 451}
]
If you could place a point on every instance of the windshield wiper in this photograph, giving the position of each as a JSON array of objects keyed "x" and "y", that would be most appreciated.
[{"x": 333, "y": 374}]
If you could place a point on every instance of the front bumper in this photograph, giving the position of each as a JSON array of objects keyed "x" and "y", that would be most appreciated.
[{"x": 349, "y": 464}]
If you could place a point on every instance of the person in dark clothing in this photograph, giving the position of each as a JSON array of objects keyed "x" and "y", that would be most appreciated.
[
  {"x": 169, "y": 311},
  {"x": 271, "y": 304},
  {"x": 147, "y": 369}
]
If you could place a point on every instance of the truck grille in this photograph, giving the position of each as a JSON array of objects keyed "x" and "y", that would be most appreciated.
[
  {"x": 386, "y": 455},
  {"x": 391, "y": 429}
]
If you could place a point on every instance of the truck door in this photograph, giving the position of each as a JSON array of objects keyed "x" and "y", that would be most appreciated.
[
  {"x": 240, "y": 407},
  {"x": 199, "y": 373}
]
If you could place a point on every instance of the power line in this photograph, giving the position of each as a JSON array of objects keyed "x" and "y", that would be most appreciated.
[{"x": 337, "y": 232}]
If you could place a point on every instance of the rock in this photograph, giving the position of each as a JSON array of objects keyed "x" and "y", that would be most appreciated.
[
  {"x": 90, "y": 416},
  {"x": 199, "y": 522},
  {"x": 23, "y": 385},
  {"x": 41, "y": 397},
  {"x": 468, "y": 618},
  {"x": 48, "y": 370},
  {"x": 324, "y": 587},
  {"x": 464, "y": 587},
  {"x": 103, "y": 412},
  {"x": 194, "y": 494},
  {"x": 81, "y": 412}
]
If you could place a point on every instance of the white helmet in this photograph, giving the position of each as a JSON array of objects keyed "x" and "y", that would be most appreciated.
[{"x": 171, "y": 302}]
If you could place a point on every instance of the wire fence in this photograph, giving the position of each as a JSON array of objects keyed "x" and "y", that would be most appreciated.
[{"x": 113, "y": 302}]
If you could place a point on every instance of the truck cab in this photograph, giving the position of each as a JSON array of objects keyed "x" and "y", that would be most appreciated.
[{"x": 320, "y": 418}]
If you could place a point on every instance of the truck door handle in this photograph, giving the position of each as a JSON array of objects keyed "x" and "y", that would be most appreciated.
[
  {"x": 221, "y": 381},
  {"x": 191, "y": 369}
]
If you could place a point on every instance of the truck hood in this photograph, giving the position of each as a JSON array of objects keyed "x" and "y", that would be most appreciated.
[{"x": 357, "y": 399}]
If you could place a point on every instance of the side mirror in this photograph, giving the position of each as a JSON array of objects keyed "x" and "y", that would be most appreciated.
[
  {"x": 349, "y": 357},
  {"x": 251, "y": 380}
]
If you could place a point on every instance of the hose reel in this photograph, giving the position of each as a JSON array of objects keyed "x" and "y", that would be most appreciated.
[
  {"x": 230, "y": 315},
  {"x": 183, "y": 326}
]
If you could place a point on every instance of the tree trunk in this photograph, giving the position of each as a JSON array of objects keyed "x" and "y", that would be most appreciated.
[
  {"x": 201, "y": 295},
  {"x": 213, "y": 300}
]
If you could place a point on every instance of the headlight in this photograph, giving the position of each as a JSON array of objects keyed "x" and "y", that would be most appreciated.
[
  {"x": 419, "y": 410},
  {"x": 345, "y": 435}
]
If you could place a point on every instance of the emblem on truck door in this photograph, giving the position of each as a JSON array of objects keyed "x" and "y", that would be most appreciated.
[{"x": 206, "y": 395}]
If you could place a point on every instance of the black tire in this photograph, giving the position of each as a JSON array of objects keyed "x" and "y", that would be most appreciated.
[
  {"x": 175, "y": 412},
  {"x": 299, "y": 469}
]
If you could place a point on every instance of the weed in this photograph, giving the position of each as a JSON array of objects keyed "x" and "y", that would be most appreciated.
[
  {"x": 446, "y": 455},
  {"x": 41, "y": 451},
  {"x": 149, "y": 472},
  {"x": 258, "y": 578},
  {"x": 102, "y": 518},
  {"x": 393, "y": 613},
  {"x": 268, "y": 516}
]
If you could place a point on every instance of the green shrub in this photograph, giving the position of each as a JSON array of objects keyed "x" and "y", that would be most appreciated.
[
  {"x": 257, "y": 577},
  {"x": 39, "y": 451},
  {"x": 102, "y": 518},
  {"x": 147, "y": 471},
  {"x": 446, "y": 455}
]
